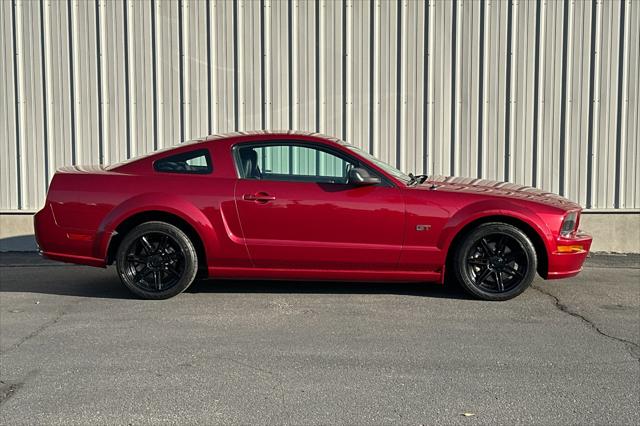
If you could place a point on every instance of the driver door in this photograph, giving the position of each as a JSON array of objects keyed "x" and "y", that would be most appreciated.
[{"x": 298, "y": 211}]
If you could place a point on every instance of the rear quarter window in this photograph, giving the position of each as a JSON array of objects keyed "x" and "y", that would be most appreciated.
[{"x": 191, "y": 162}]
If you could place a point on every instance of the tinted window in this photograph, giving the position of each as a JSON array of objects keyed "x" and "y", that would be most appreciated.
[
  {"x": 188, "y": 162},
  {"x": 292, "y": 163}
]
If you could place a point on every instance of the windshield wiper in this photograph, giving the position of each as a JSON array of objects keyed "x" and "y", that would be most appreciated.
[{"x": 416, "y": 179}]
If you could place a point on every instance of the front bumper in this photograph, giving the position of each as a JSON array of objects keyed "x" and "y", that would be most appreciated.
[{"x": 569, "y": 255}]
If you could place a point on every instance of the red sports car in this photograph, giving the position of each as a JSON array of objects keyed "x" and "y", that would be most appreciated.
[{"x": 293, "y": 205}]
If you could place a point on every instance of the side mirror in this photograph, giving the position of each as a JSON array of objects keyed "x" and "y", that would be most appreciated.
[{"x": 359, "y": 176}]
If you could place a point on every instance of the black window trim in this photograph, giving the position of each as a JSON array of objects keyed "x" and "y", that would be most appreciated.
[
  {"x": 189, "y": 154},
  {"x": 307, "y": 144}
]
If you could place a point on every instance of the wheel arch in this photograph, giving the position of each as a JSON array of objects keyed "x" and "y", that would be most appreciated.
[
  {"x": 534, "y": 235},
  {"x": 161, "y": 207},
  {"x": 125, "y": 226}
]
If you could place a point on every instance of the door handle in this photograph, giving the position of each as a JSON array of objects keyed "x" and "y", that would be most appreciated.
[{"x": 259, "y": 197}]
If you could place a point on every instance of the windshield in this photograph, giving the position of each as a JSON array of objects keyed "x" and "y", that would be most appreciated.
[{"x": 384, "y": 166}]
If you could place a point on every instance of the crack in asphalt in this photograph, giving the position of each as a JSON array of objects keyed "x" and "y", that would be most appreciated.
[
  {"x": 632, "y": 347},
  {"x": 7, "y": 390},
  {"x": 40, "y": 329}
]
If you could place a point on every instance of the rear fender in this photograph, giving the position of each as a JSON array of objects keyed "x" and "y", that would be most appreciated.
[{"x": 166, "y": 203}]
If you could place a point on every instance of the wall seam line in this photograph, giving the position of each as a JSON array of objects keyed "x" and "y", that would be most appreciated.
[
  {"x": 290, "y": 68},
  {"x": 507, "y": 114},
  {"x": 618, "y": 145},
  {"x": 99, "y": 84},
  {"x": 72, "y": 87},
  {"x": 45, "y": 138},
  {"x": 399, "y": 84},
  {"x": 181, "y": 72},
  {"x": 16, "y": 88},
  {"x": 263, "y": 99},
  {"x": 236, "y": 111},
  {"x": 372, "y": 11},
  {"x": 454, "y": 30},
  {"x": 344, "y": 70},
  {"x": 480, "y": 88},
  {"x": 154, "y": 74},
  {"x": 126, "y": 78},
  {"x": 209, "y": 70},
  {"x": 425, "y": 93},
  {"x": 563, "y": 97},
  {"x": 592, "y": 63},
  {"x": 536, "y": 95}
]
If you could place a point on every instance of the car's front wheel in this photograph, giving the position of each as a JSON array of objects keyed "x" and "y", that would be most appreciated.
[
  {"x": 157, "y": 260},
  {"x": 495, "y": 261}
]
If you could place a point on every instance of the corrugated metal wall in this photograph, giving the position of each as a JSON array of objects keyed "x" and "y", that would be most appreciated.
[{"x": 543, "y": 93}]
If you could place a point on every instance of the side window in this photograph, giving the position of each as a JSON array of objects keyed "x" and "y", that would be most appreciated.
[
  {"x": 197, "y": 162},
  {"x": 292, "y": 163}
]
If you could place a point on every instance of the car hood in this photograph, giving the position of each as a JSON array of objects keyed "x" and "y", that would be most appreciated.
[{"x": 498, "y": 189}]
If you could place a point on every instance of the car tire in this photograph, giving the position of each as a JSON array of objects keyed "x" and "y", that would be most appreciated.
[
  {"x": 156, "y": 260},
  {"x": 495, "y": 261}
]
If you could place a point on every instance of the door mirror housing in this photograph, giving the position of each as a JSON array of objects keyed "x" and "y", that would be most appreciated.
[{"x": 361, "y": 176}]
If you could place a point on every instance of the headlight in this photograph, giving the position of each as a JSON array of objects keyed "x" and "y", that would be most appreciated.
[{"x": 569, "y": 224}]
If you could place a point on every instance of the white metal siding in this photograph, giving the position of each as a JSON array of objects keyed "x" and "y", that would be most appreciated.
[{"x": 541, "y": 93}]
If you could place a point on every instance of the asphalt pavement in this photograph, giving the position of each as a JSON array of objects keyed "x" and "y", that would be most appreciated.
[{"x": 77, "y": 348}]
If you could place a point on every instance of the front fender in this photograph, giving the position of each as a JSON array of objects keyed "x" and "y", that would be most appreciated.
[
  {"x": 159, "y": 202},
  {"x": 488, "y": 208}
]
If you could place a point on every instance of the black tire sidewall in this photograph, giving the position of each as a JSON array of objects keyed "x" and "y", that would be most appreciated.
[
  {"x": 190, "y": 255},
  {"x": 467, "y": 243}
]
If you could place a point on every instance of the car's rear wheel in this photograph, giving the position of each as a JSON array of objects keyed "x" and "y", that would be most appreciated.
[
  {"x": 495, "y": 261},
  {"x": 156, "y": 260}
]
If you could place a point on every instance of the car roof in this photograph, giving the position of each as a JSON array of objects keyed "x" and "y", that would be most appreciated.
[
  {"x": 272, "y": 134},
  {"x": 254, "y": 136}
]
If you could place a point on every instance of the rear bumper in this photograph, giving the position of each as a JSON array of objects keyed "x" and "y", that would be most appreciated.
[
  {"x": 64, "y": 245},
  {"x": 568, "y": 257},
  {"x": 70, "y": 258}
]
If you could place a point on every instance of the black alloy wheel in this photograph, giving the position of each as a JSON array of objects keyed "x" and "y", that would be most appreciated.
[
  {"x": 157, "y": 260},
  {"x": 495, "y": 261}
]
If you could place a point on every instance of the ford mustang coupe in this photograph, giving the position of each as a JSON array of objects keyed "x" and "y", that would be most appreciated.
[{"x": 303, "y": 206}]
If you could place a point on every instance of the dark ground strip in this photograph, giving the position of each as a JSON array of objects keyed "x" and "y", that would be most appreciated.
[{"x": 595, "y": 260}]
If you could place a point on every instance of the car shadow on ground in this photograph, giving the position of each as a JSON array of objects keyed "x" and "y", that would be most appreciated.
[
  {"x": 107, "y": 286},
  {"x": 327, "y": 287},
  {"x": 82, "y": 286}
]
